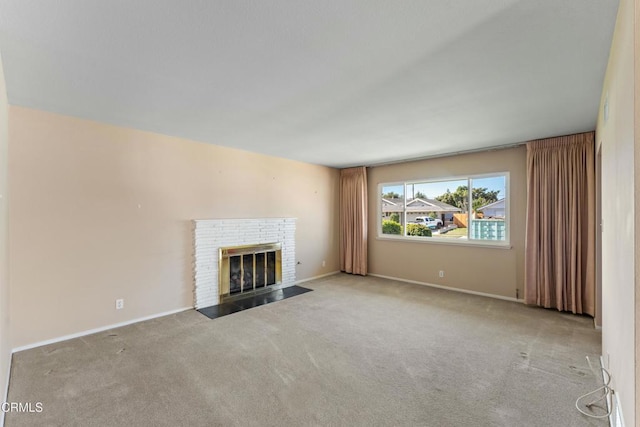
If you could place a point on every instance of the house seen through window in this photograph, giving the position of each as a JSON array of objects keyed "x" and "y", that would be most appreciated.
[{"x": 446, "y": 209}]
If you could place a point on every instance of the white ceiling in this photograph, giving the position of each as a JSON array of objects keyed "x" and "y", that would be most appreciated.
[{"x": 333, "y": 82}]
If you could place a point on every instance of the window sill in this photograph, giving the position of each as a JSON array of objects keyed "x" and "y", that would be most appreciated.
[{"x": 447, "y": 241}]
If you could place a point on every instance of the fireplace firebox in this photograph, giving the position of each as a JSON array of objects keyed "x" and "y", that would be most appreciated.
[{"x": 249, "y": 268}]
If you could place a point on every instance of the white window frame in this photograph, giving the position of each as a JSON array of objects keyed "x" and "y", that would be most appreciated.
[{"x": 502, "y": 244}]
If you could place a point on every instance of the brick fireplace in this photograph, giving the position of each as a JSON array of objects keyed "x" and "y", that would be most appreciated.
[{"x": 213, "y": 237}]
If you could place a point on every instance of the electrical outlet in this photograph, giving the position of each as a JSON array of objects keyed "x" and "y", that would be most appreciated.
[
  {"x": 324, "y": 263},
  {"x": 441, "y": 273},
  {"x": 119, "y": 304}
]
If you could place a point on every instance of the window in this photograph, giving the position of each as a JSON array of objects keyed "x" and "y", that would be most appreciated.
[{"x": 445, "y": 210}]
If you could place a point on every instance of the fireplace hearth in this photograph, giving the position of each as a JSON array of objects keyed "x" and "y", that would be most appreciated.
[{"x": 210, "y": 235}]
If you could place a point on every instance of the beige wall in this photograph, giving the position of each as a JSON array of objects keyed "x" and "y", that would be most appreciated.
[
  {"x": 616, "y": 136},
  {"x": 101, "y": 212},
  {"x": 488, "y": 270},
  {"x": 5, "y": 344}
]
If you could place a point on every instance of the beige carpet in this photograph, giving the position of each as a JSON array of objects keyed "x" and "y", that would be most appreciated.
[{"x": 355, "y": 352}]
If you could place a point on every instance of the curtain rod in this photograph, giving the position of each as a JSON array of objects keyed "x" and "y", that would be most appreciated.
[{"x": 452, "y": 153}]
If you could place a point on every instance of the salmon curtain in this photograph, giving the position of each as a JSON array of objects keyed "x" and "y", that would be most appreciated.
[
  {"x": 353, "y": 220},
  {"x": 560, "y": 236}
]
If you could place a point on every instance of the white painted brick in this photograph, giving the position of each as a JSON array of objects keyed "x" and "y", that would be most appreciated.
[{"x": 210, "y": 235}]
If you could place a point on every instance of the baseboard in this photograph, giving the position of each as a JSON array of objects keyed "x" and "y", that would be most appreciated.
[
  {"x": 615, "y": 419},
  {"x": 100, "y": 329},
  {"x": 6, "y": 390},
  {"x": 613, "y": 404},
  {"x": 317, "y": 277},
  {"x": 464, "y": 291}
]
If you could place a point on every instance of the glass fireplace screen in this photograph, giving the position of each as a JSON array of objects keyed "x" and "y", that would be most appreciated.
[{"x": 249, "y": 268}]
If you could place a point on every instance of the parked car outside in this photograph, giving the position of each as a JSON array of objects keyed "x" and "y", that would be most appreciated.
[{"x": 432, "y": 223}]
